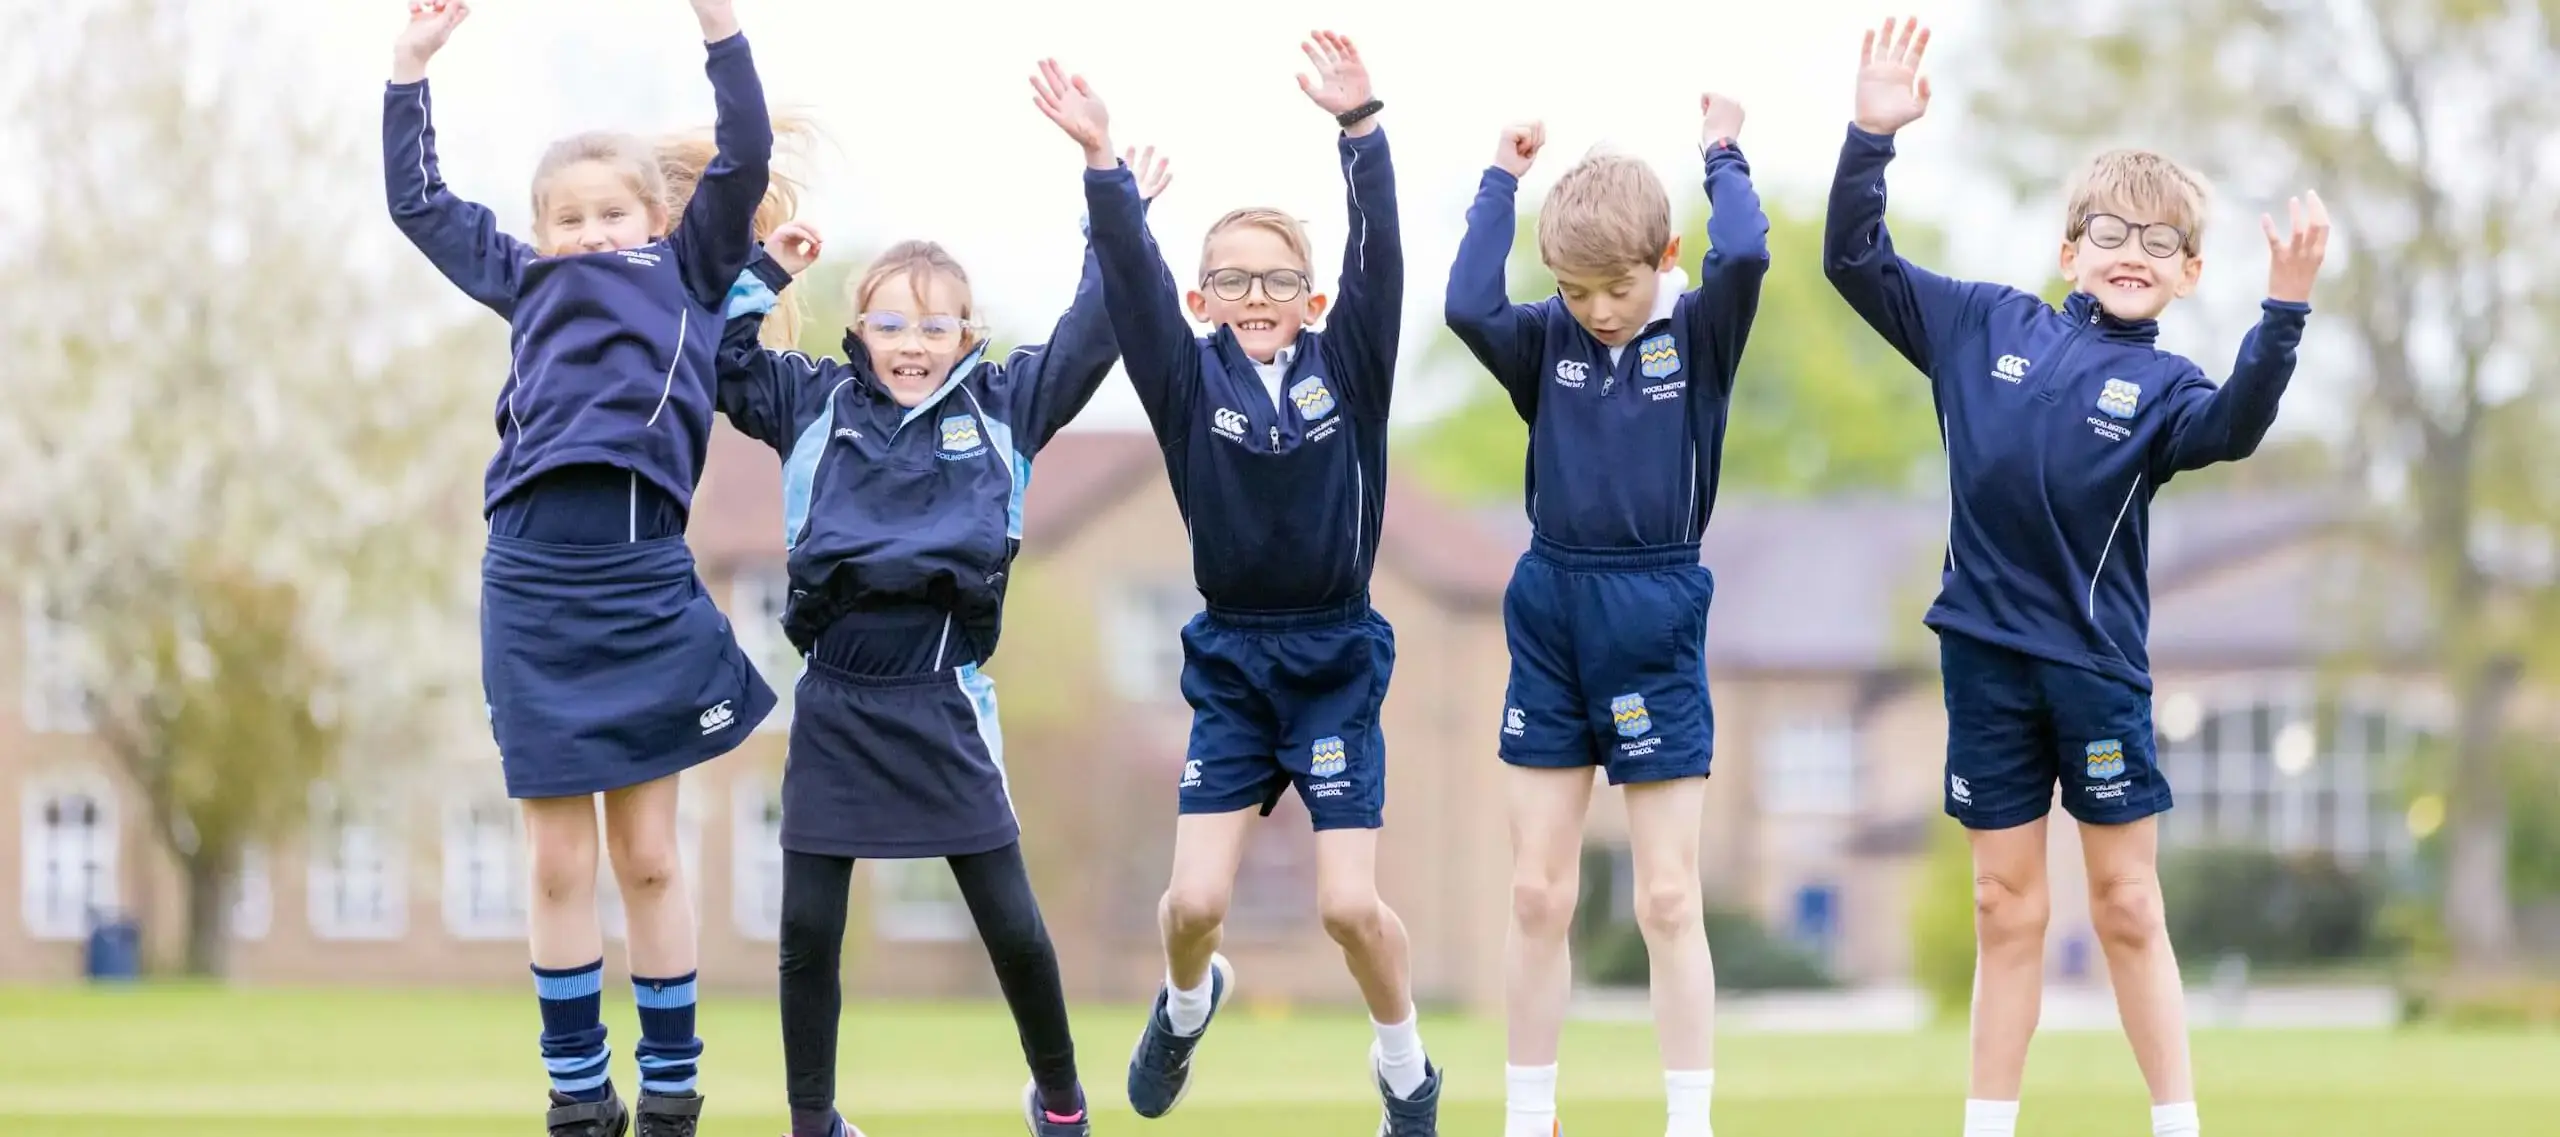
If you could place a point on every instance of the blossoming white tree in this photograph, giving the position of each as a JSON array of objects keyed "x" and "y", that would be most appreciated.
[{"x": 244, "y": 435}]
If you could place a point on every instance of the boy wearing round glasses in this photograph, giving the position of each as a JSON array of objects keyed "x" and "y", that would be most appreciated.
[
  {"x": 2059, "y": 426},
  {"x": 1274, "y": 436}
]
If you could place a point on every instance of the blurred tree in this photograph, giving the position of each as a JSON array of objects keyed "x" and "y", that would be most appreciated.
[
  {"x": 243, "y": 468},
  {"x": 1821, "y": 404},
  {"x": 2426, "y": 126}
]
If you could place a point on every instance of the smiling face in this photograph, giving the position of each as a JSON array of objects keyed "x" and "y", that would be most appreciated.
[
  {"x": 915, "y": 326},
  {"x": 1254, "y": 280},
  {"x": 598, "y": 191},
  {"x": 2133, "y": 233}
]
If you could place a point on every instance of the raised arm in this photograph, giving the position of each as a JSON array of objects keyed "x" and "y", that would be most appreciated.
[
  {"x": 2225, "y": 424},
  {"x": 1721, "y": 308},
  {"x": 1368, "y": 319},
  {"x": 1914, "y": 309},
  {"x": 1503, "y": 336},
  {"x": 770, "y": 396},
  {"x": 460, "y": 238},
  {"x": 716, "y": 237},
  {"x": 1156, "y": 343}
]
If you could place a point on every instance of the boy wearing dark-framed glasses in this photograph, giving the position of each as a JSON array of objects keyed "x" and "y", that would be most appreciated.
[
  {"x": 1275, "y": 439},
  {"x": 2059, "y": 426}
]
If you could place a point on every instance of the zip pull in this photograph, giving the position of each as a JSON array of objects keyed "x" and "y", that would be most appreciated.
[{"x": 1275, "y": 440}]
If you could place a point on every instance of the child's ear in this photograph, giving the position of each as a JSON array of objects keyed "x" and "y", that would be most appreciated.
[
  {"x": 1316, "y": 302},
  {"x": 2188, "y": 275},
  {"x": 2071, "y": 261},
  {"x": 1199, "y": 303},
  {"x": 1670, "y": 256}
]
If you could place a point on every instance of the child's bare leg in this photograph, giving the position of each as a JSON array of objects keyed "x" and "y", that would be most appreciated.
[
  {"x": 1663, "y": 824},
  {"x": 1547, "y": 808},
  {"x": 2133, "y": 929},
  {"x": 2011, "y": 906}
]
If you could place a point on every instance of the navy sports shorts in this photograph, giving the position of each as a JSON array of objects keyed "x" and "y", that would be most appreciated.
[
  {"x": 2018, "y": 725},
  {"x": 895, "y": 748},
  {"x": 1608, "y": 662},
  {"x": 1283, "y": 698},
  {"x": 607, "y": 666}
]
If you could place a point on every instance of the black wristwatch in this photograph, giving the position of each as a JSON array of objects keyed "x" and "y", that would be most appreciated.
[{"x": 1355, "y": 115}]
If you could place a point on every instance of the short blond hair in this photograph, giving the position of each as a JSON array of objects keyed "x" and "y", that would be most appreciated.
[
  {"x": 2140, "y": 182},
  {"x": 1292, "y": 233},
  {"x": 1608, "y": 212}
]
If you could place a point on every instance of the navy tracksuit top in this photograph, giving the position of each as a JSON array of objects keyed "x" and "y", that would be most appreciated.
[
  {"x": 1283, "y": 504},
  {"x": 613, "y": 351},
  {"x": 1624, "y": 447},
  {"x": 883, "y": 505},
  {"x": 2059, "y": 426}
]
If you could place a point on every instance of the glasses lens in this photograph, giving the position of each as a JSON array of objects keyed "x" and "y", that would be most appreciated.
[
  {"x": 884, "y": 323},
  {"x": 939, "y": 328},
  {"x": 2106, "y": 230},
  {"x": 1230, "y": 283},
  {"x": 2162, "y": 241},
  {"x": 1283, "y": 284}
]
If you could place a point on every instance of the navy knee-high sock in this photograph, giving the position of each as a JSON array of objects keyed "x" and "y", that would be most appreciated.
[
  {"x": 668, "y": 1047},
  {"x": 573, "y": 1046}
]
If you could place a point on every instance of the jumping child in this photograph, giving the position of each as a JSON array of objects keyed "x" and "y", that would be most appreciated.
[{"x": 607, "y": 668}]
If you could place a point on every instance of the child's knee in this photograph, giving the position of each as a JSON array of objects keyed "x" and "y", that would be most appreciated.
[
  {"x": 1194, "y": 910},
  {"x": 646, "y": 865},
  {"x": 1352, "y": 916},
  {"x": 2127, "y": 910},
  {"x": 1541, "y": 905},
  {"x": 2009, "y": 913},
  {"x": 564, "y": 865},
  {"x": 1667, "y": 909}
]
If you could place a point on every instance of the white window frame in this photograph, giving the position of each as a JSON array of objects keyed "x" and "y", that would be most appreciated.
[
  {"x": 1142, "y": 644},
  {"x": 253, "y": 895},
  {"x": 755, "y": 859},
  {"x": 1810, "y": 767},
  {"x": 483, "y": 850},
  {"x": 2221, "y": 790},
  {"x": 617, "y": 922},
  {"x": 342, "y": 831},
  {"x": 918, "y": 901},
  {"x": 51, "y": 697},
  {"x": 46, "y": 905},
  {"x": 759, "y": 594}
]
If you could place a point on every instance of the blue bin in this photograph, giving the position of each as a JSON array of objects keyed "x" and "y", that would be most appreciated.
[{"x": 115, "y": 949}]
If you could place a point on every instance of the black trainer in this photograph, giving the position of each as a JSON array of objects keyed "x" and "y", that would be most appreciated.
[
  {"x": 669, "y": 1115},
  {"x": 572, "y": 1118}
]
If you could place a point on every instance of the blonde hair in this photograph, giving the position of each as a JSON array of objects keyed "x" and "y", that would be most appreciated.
[
  {"x": 917, "y": 261},
  {"x": 628, "y": 154},
  {"x": 681, "y": 159},
  {"x": 2142, "y": 182},
  {"x": 1291, "y": 232},
  {"x": 1607, "y": 213}
]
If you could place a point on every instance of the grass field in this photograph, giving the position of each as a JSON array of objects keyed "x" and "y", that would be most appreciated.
[{"x": 303, "y": 1064}]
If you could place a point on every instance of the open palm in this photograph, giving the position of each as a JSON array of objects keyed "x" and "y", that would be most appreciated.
[
  {"x": 1341, "y": 82},
  {"x": 1891, "y": 93},
  {"x": 1071, "y": 104}
]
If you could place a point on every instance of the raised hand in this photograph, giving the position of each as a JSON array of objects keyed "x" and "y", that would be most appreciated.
[
  {"x": 795, "y": 245},
  {"x": 1070, "y": 103},
  {"x": 1519, "y": 147},
  {"x": 719, "y": 19},
  {"x": 1720, "y": 119},
  {"x": 431, "y": 23},
  {"x": 1341, "y": 82},
  {"x": 1891, "y": 92},
  {"x": 2294, "y": 260},
  {"x": 1154, "y": 173}
]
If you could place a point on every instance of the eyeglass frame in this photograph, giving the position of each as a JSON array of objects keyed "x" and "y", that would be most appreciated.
[
  {"x": 862, "y": 323},
  {"x": 2133, "y": 231},
  {"x": 1262, "y": 280}
]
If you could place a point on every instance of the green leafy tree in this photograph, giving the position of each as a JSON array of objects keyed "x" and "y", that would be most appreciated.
[
  {"x": 2425, "y": 126},
  {"x": 1821, "y": 404}
]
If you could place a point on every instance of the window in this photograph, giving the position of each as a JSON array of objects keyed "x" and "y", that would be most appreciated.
[
  {"x": 356, "y": 886},
  {"x": 918, "y": 901},
  {"x": 1812, "y": 768},
  {"x": 484, "y": 870},
  {"x": 755, "y": 859},
  {"x": 1144, "y": 639},
  {"x": 688, "y": 858},
  {"x": 69, "y": 853},
  {"x": 2287, "y": 774},
  {"x": 759, "y": 596},
  {"x": 253, "y": 896},
  {"x": 52, "y": 699}
]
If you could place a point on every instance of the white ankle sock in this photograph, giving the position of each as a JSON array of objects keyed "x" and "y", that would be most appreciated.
[
  {"x": 1531, "y": 1094},
  {"x": 1400, "y": 1061},
  {"x": 2178, "y": 1120},
  {"x": 1189, "y": 1010},
  {"x": 1687, "y": 1094},
  {"x": 1990, "y": 1118}
]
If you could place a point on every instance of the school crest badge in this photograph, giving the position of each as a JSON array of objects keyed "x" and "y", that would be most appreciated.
[
  {"x": 960, "y": 434},
  {"x": 1314, "y": 401},
  {"x": 1328, "y": 758},
  {"x": 2106, "y": 759},
  {"x": 1628, "y": 712},
  {"x": 2119, "y": 398},
  {"x": 1658, "y": 356}
]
